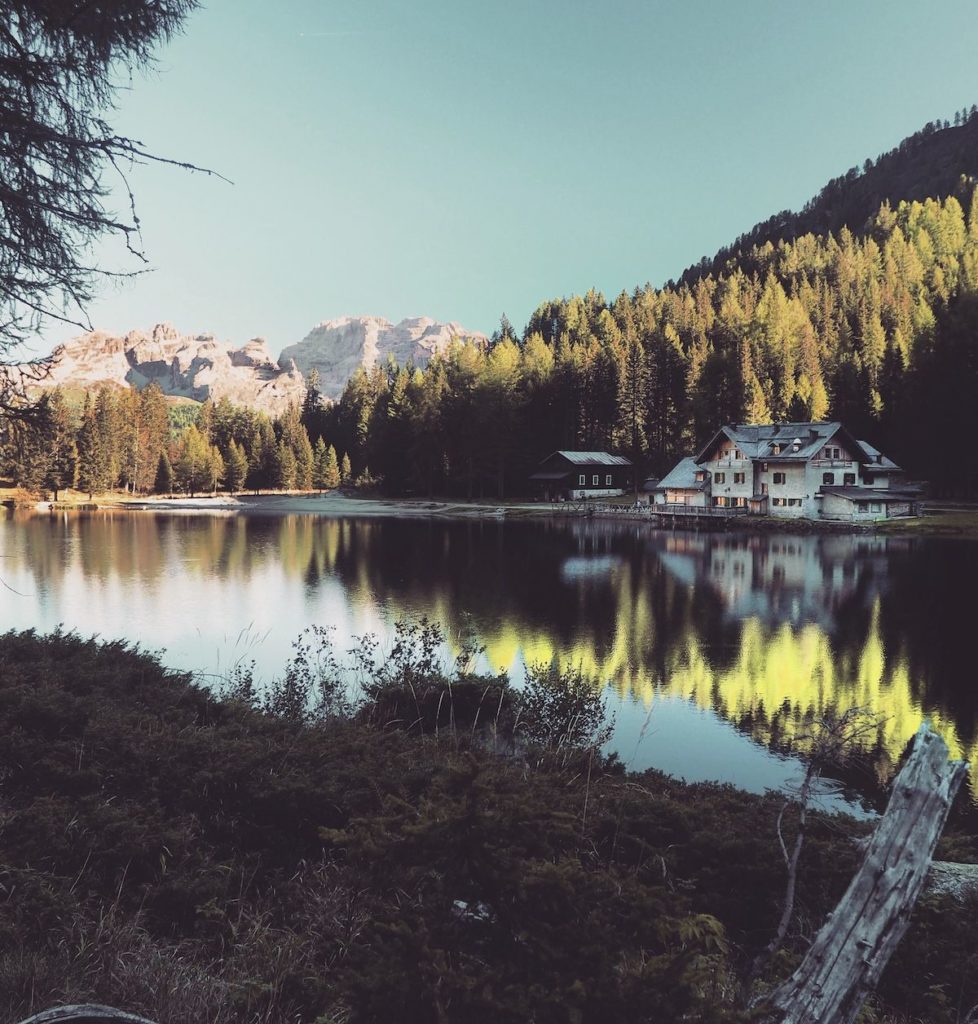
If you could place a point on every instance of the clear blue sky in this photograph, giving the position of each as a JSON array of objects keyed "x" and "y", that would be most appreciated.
[{"x": 462, "y": 158}]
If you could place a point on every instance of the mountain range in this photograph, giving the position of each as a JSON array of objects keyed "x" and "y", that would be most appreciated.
[{"x": 199, "y": 366}]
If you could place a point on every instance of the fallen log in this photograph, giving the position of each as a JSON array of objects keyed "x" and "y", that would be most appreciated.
[
  {"x": 845, "y": 961},
  {"x": 88, "y": 1013}
]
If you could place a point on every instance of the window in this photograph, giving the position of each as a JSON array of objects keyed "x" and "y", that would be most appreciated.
[
  {"x": 875, "y": 506},
  {"x": 778, "y": 478},
  {"x": 828, "y": 478},
  {"x": 740, "y": 502},
  {"x": 594, "y": 480},
  {"x": 796, "y": 502},
  {"x": 778, "y": 501},
  {"x": 739, "y": 478},
  {"x": 719, "y": 478},
  {"x": 582, "y": 479},
  {"x": 867, "y": 478},
  {"x": 848, "y": 479},
  {"x": 607, "y": 480},
  {"x": 776, "y": 449},
  {"x": 738, "y": 454}
]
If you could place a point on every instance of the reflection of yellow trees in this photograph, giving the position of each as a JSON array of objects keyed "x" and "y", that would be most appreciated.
[
  {"x": 788, "y": 674},
  {"x": 774, "y": 678}
]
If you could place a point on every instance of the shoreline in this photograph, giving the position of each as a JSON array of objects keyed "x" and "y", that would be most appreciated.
[{"x": 959, "y": 523}]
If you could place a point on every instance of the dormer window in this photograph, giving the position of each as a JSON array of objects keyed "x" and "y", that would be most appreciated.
[{"x": 776, "y": 449}]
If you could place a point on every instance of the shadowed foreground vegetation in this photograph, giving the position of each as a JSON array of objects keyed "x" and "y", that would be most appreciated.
[{"x": 448, "y": 851}]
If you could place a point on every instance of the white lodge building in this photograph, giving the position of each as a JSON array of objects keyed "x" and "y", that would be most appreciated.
[{"x": 804, "y": 470}]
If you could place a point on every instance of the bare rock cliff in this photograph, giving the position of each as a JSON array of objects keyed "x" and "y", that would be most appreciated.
[
  {"x": 184, "y": 366},
  {"x": 336, "y": 348}
]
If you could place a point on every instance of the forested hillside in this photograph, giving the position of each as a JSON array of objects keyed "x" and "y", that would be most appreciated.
[
  {"x": 872, "y": 322},
  {"x": 875, "y": 329},
  {"x": 938, "y": 161}
]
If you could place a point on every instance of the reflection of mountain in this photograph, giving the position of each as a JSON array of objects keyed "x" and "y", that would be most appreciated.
[{"x": 765, "y": 630}]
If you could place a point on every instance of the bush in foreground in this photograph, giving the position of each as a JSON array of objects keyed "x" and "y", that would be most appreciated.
[{"x": 196, "y": 859}]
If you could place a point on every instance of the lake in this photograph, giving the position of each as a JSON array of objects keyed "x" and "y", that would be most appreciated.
[{"x": 716, "y": 649}]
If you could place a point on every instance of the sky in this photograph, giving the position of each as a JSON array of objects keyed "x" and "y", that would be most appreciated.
[{"x": 461, "y": 159}]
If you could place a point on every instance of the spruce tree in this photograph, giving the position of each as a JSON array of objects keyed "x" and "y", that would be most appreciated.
[
  {"x": 345, "y": 469},
  {"x": 236, "y": 467},
  {"x": 319, "y": 465},
  {"x": 93, "y": 463},
  {"x": 331, "y": 477},
  {"x": 165, "y": 482}
]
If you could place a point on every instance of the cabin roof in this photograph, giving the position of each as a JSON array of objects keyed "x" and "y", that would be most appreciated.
[
  {"x": 593, "y": 458},
  {"x": 682, "y": 477}
]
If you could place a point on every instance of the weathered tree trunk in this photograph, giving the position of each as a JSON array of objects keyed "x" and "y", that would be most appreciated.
[
  {"x": 848, "y": 955},
  {"x": 89, "y": 1013}
]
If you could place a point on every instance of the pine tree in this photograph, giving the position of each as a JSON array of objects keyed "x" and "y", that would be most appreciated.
[
  {"x": 346, "y": 470},
  {"x": 194, "y": 463},
  {"x": 165, "y": 482},
  {"x": 62, "y": 454},
  {"x": 236, "y": 467},
  {"x": 319, "y": 465},
  {"x": 284, "y": 467},
  {"x": 93, "y": 462},
  {"x": 331, "y": 473}
]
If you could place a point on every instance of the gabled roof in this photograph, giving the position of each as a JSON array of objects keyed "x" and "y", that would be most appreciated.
[
  {"x": 757, "y": 440},
  {"x": 682, "y": 477},
  {"x": 592, "y": 458},
  {"x": 878, "y": 460}
]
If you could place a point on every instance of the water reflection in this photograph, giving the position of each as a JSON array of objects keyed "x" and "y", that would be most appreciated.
[{"x": 696, "y": 634}]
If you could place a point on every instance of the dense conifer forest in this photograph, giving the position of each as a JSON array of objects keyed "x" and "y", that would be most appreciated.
[{"x": 855, "y": 310}]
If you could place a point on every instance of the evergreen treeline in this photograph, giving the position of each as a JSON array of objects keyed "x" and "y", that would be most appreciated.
[
  {"x": 874, "y": 330},
  {"x": 938, "y": 161},
  {"x": 133, "y": 441}
]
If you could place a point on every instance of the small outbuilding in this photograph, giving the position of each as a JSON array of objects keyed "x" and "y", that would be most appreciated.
[
  {"x": 571, "y": 476},
  {"x": 685, "y": 484}
]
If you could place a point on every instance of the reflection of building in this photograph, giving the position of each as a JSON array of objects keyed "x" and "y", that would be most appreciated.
[
  {"x": 782, "y": 578},
  {"x": 793, "y": 470},
  {"x": 574, "y": 475}
]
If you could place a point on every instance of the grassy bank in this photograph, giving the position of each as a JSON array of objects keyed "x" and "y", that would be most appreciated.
[{"x": 197, "y": 859}]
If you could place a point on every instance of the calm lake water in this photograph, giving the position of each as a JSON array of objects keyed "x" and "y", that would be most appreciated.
[{"x": 714, "y": 647}]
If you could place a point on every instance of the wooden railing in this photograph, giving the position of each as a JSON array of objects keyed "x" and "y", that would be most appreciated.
[{"x": 716, "y": 511}]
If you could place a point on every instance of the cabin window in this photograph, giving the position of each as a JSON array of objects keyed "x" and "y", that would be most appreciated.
[
  {"x": 719, "y": 478},
  {"x": 867, "y": 478},
  {"x": 848, "y": 478},
  {"x": 778, "y": 478},
  {"x": 740, "y": 502},
  {"x": 595, "y": 479},
  {"x": 860, "y": 506},
  {"x": 875, "y": 506},
  {"x": 796, "y": 502},
  {"x": 776, "y": 449},
  {"x": 778, "y": 501},
  {"x": 607, "y": 480},
  {"x": 828, "y": 478},
  {"x": 738, "y": 454},
  {"x": 582, "y": 480},
  {"x": 739, "y": 478}
]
